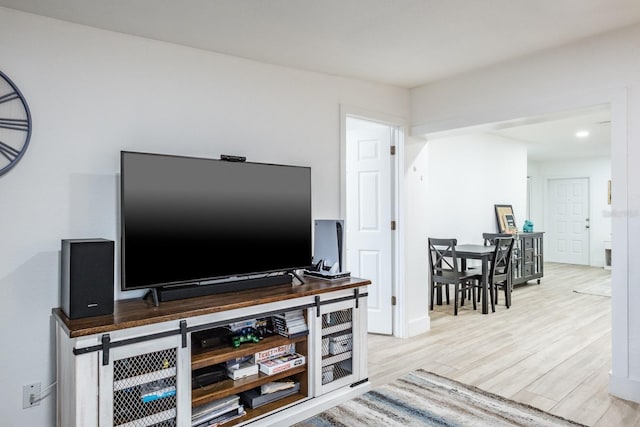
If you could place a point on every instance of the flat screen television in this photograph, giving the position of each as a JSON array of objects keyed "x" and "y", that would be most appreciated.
[{"x": 187, "y": 220}]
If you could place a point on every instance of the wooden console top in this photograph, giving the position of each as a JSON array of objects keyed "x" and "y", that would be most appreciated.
[{"x": 139, "y": 312}]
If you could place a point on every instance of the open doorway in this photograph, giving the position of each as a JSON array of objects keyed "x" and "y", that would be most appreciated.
[
  {"x": 549, "y": 335},
  {"x": 520, "y": 163}
]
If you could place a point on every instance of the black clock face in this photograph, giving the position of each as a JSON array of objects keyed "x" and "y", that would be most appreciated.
[{"x": 15, "y": 124}]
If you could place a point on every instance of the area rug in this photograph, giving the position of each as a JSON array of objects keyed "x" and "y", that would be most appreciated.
[
  {"x": 422, "y": 398},
  {"x": 601, "y": 288}
]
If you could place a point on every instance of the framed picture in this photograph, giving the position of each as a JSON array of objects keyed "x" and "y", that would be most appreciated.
[{"x": 505, "y": 218}]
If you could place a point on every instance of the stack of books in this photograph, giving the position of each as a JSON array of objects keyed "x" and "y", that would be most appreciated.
[
  {"x": 218, "y": 412},
  {"x": 291, "y": 324}
]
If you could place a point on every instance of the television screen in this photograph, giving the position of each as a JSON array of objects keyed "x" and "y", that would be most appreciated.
[{"x": 188, "y": 220}]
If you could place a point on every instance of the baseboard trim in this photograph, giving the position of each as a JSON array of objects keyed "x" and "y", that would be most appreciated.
[
  {"x": 624, "y": 388},
  {"x": 418, "y": 326}
]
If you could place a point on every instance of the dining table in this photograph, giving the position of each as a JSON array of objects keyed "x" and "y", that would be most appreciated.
[{"x": 477, "y": 252}]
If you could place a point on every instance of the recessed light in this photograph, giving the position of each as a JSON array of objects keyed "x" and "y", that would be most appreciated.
[{"x": 582, "y": 134}]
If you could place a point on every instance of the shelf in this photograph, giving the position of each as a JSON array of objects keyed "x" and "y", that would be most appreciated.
[
  {"x": 333, "y": 359},
  {"x": 228, "y": 387},
  {"x": 144, "y": 378},
  {"x": 265, "y": 409},
  {"x": 201, "y": 358},
  {"x": 329, "y": 330},
  {"x": 151, "y": 420}
]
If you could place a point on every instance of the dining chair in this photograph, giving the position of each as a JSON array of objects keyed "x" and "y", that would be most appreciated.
[
  {"x": 445, "y": 271},
  {"x": 490, "y": 238},
  {"x": 500, "y": 271}
]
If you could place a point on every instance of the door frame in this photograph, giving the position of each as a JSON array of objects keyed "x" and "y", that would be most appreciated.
[
  {"x": 397, "y": 203},
  {"x": 620, "y": 383}
]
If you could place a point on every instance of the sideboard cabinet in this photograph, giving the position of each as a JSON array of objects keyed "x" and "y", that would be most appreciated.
[
  {"x": 134, "y": 368},
  {"x": 528, "y": 258}
]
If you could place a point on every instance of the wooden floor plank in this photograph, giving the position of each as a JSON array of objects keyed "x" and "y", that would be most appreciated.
[{"x": 551, "y": 349}]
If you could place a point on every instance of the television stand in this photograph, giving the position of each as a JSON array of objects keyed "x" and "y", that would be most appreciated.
[
  {"x": 108, "y": 365},
  {"x": 172, "y": 293}
]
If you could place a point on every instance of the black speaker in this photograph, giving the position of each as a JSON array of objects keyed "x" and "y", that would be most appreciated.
[{"x": 87, "y": 277}]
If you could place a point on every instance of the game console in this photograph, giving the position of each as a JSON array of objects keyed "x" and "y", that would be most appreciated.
[
  {"x": 328, "y": 250},
  {"x": 211, "y": 337}
]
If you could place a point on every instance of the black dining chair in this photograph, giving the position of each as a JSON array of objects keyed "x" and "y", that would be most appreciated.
[
  {"x": 500, "y": 271},
  {"x": 445, "y": 271},
  {"x": 490, "y": 238}
]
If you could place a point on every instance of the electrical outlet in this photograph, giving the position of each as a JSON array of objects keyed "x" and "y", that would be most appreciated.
[{"x": 30, "y": 395}]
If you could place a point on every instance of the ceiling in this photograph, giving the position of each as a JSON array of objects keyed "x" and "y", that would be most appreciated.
[
  {"x": 405, "y": 43},
  {"x": 555, "y": 138}
]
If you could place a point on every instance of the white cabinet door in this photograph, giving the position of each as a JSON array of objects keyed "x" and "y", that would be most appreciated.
[
  {"x": 338, "y": 345},
  {"x": 144, "y": 384}
]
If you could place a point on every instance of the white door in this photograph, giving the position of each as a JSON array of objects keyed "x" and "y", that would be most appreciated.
[
  {"x": 568, "y": 234},
  {"x": 369, "y": 214}
]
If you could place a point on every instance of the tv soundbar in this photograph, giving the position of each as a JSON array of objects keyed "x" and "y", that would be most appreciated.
[{"x": 173, "y": 293}]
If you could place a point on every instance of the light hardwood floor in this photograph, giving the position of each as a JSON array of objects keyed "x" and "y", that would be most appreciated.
[{"x": 551, "y": 349}]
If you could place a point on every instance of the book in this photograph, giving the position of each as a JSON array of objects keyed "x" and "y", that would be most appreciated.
[
  {"x": 290, "y": 324},
  {"x": 213, "y": 409},
  {"x": 291, "y": 314},
  {"x": 274, "y": 352},
  {"x": 281, "y": 364},
  {"x": 272, "y": 387},
  {"x": 220, "y": 417}
]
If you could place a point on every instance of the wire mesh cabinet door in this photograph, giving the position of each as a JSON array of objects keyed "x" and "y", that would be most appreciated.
[
  {"x": 337, "y": 346},
  {"x": 143, "y": 383}
]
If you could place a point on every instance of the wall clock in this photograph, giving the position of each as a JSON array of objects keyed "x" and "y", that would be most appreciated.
[{"x": 15, "y": 124}]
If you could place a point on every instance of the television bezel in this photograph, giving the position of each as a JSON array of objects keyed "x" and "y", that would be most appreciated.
[{"x": 223, "y": 280}]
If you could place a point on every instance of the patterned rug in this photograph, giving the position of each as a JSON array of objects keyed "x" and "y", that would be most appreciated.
[{"x": 425, "y": 399}]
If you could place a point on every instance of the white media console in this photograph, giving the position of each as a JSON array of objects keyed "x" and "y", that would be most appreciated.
[{"x": 107, "y": 364}]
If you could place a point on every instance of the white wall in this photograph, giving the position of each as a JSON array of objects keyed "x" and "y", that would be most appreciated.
[
  {"x": 416, "y": 296},
  {"x": 452, "y": 186},
  {"x": 598, "y": 171},
  {"x": 467, "y": 176},
  {"x": 93, "y": 93},
  {"x": 600, "y": 70}
]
